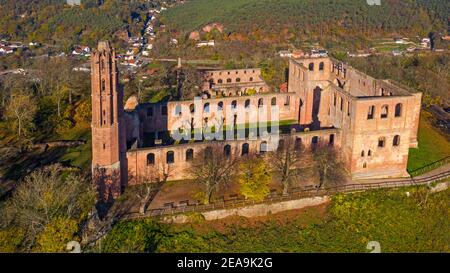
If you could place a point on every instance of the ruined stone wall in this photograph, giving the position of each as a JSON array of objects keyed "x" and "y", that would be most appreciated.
[
  {"x": 234, "y": 82},
  {"x": 369, "y": 158},
  {"x": 178, "y": 170},
  {"x": 249, "y": 109},
  {"x": 340, "y": 96}
]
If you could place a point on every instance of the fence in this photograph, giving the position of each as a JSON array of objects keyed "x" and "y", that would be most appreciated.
[{"x": 296, "y": 193}]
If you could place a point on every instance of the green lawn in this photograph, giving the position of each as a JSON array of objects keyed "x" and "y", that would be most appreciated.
[
  {"x": 433, "y": 146},
  {"x": 347, "y": 224},
  {"x": 79, "y": 156}
]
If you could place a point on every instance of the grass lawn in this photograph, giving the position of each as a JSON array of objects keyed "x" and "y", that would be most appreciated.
[
  {"x": 433, "y": 146},
  {"x": 79, "y": 156}
]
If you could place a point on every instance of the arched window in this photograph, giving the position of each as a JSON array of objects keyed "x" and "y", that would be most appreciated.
[
  {"x": 315, "y": 140},
  {"x": 362, "y": 153},
  {"x": 208, "y": 152},
  {"x": 311, "y": 66},
  {"x": 150, "y": 112},
  {"x": 233, "y": 104},
  {"x": 245, "y": 149},
  {"x": 164, "y": 110},
  {"x": 151, "y": 159},
  {"x": 238, "y": 79},
  {"x": 261, "y": 102},
  {"x": 189, "y": 154},
  {"x": 280, "y": 144},
  {"x": 371, "y": 112},
  {"x": 287, "y": 101},
  {"x": 396, "y": 141},
  {"x": 369, "y": 153},
  {"x": 219, "y": 81},
  {"x": 398, "y": 110},
  {"x": 247, "y": 103},
  {"x": 381, "y": 142},
  {"x": 331, "y": 140},
  {"x": 298, "y": 143},
  {"x": 170, "y": 157},
  {"x": 251, "y": 79},
  {"x": 364, "y": 165},
  {"x": 227, "y": 150},
  {"x": 228, "y": 80},
  {"x": 384, "y": 111},
  {"x": 220, "y": 106},
  {"x": 263, "y": 148},
  {"x": 178, "y": 110},
  {"x": 103, "y": 85},
  {"x": 321, "y": 66},
  {"x": 192, "y": 108},
  {"x": 206, "y": 107},
  {"x": 273, "y": 101}
]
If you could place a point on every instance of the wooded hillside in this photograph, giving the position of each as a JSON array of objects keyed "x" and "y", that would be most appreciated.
[{"x": 313, "y": 17}]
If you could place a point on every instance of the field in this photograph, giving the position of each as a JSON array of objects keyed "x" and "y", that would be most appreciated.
[{"x": 399, "y": 223}]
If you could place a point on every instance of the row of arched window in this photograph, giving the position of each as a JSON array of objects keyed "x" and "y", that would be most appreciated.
[
  {"x": 247, "y": 103},
  {"x": 395, "y": 141},
  {"x": 229, "y": 80},
  {"x": 385, "y": 111},
  {"x": 236, "y": 72},
  {"x": 311, "y": 66},
  {"x": 245, "y": 150},
  {"x": 189, "y": 154},
  {"x": 341, "y": 104},
  {"x": 298, "y": 72},
  {"x": 382, "y": 144}
]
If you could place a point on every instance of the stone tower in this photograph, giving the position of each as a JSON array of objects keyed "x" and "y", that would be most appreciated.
[{"x": 109, "y": 166}]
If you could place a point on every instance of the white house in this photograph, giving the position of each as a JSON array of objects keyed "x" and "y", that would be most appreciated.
[
  {"x": 285, "y": 54},
  {"x": 206, "y": 43},
  {"x": 6, "y": 50},
  {"x": 81, "y": 50}
]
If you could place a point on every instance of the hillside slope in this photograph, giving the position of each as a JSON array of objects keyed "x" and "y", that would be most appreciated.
[{"x": 312, "y": 17}]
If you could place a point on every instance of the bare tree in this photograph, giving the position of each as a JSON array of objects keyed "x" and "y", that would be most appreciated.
[
  {"x": 329, "y": 165},
  {"x": 45, "y": 195},
  {"x": 213, "y": 168},
  {"x": 191, "y": 80},
  {"x": 22, "y": 109},
  {"x": 152, "y": 179},
  {"x": 54, "y": 78},
  {"x": 289, "y": 161}
]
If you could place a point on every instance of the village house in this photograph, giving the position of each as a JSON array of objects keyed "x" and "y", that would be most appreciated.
[
  {"x": 81, "y": 50},
  {"x": 206, "y": 43},
  {"x": 285, "y": 54},
  {"x": 4, "y": 50}
]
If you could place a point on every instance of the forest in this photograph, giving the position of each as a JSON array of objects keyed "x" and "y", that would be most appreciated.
[
  {"x": 54, "y": 22},
  {"x": 325, "y": 21}
]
